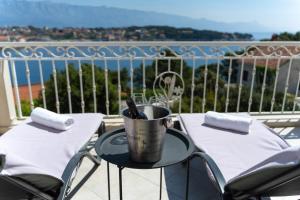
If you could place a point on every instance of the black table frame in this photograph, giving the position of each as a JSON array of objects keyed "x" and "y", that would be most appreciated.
[{"x": 186, "y": 161}]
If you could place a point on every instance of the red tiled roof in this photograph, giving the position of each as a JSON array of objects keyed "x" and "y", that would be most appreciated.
[
  {"x": 272, "y": 62},
  {"x": 268, "y": 50},
  {"x": 3, "y": 38},
  {"x": 24, "y": 91}
]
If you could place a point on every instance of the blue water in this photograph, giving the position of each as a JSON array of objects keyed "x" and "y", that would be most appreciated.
[
  {"x": 262, "y": 35},
  {"x": 47, "y": 67}
]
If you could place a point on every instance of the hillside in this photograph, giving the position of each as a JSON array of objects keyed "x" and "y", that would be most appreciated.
[
  {"x": 43, "y": 13},
  {"x": 133, "y": 33}
]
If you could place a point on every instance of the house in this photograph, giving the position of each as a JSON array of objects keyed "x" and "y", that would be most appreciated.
[
  {"x": 285, "y": 64},
  {"x": 4, "y": 38},
  {"x": 24, "y": 91}
]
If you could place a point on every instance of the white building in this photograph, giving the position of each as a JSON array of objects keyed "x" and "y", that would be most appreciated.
[{"x": 287, "y": 69}]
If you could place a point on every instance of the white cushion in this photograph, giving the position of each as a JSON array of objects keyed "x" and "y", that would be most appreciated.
[
  {"x": 233, "y": 152},
  {"x": 31, "y": 148}
]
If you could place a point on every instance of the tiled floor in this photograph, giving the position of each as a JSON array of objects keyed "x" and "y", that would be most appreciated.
[{"x": 144, "y": 184}]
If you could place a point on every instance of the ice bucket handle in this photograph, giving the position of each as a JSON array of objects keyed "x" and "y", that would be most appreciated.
[{"x": 167, "y": 122}]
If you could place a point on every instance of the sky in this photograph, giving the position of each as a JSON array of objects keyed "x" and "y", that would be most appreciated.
[{"x": 278, "y": 15}]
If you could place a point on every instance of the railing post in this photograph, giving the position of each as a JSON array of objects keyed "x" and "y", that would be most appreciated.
[{"x": 7, "y": 105}]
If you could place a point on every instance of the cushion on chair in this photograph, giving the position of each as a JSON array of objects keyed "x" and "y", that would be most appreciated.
[
  {"x": 233, "y": 152},
  {"x": 267, "y": 170},
  {"x": 31, "y": 148}
]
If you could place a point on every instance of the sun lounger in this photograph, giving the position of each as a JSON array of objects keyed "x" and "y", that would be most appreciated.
[
  {"x": 41, "y": 162},
  {"x": 245, "y": 165}
]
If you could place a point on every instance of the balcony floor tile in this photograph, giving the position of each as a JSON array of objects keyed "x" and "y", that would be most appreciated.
[{"x": 144, "y": 184}]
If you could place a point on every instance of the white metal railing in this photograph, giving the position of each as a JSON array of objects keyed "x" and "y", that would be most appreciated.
[{"x": 213, "y": 72}]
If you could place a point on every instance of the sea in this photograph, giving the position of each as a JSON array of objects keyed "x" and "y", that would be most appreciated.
[
  {"x": 44, "y": 72},
  {"x": 262, "y": 35},
  {"x": 112, "y": 65},
  {"x": 47, "y": 65}
]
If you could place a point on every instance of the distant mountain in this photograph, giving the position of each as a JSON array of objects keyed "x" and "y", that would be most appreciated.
[{"x": 43, "y": 13}]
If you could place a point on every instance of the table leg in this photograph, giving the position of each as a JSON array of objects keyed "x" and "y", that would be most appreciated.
[
  {"x": 187, "y": 179},
  {"x": 160, "y": 184},
  {"x": 120, "y": 182},
  {"x": 108, "y": 180}
]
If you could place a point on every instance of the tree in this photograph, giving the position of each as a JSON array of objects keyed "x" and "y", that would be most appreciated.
[
  {"x": 87, "y": 91},
  {"x": 162, "y": 66},
  {"x": 285, "y": 36},
  {"x": 199, "y": 77}
]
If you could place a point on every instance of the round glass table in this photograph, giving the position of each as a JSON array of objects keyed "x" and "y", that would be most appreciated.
[{"x": 113, "y": 148}]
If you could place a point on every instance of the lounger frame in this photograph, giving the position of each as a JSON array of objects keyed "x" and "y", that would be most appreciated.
[
  {"x": 66, "y": 192},
  {"x": 284, "y": 185}
]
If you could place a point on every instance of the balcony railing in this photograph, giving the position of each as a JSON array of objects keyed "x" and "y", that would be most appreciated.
[{"x": 254, "y": 77}]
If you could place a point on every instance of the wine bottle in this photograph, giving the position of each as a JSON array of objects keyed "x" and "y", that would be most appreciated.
[{"x": 133, "y": 111}]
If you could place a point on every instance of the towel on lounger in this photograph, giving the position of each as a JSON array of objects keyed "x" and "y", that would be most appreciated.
[
  {"x": 227, "y": 121},
  {"x": 51, "y": 119}
]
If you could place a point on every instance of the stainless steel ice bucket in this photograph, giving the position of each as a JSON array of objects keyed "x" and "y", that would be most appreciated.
[{"x": 146, "y": 137}]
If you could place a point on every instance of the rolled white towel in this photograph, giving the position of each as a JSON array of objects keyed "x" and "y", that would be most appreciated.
[
  {"x": 227, "y": 121},
  {"x": 51, "y": 119}
]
